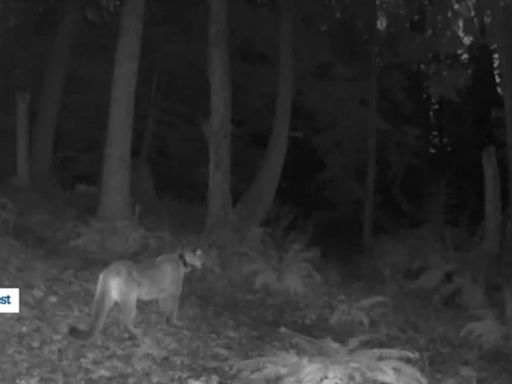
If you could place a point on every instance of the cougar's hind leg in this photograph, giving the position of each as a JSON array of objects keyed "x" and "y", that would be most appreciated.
[{"x": 128, "y": 308}]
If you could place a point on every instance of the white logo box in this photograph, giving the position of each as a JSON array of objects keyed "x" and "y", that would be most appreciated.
[{"x": 9, "y": 300}]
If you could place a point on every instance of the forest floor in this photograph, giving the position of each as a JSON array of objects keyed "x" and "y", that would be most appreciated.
[{"x": 222, "y": 326}]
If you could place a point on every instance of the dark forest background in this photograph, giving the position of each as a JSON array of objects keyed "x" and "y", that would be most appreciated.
[
  {"x": 438, "y": 102},
  {"x": 330, "y": 156}
]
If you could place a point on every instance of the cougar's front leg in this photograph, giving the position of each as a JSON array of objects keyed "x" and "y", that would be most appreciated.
[{"x": 169, "y": 306}]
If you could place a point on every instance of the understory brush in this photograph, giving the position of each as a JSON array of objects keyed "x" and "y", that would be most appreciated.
[
  {"x": 418, "y": 334},
  {"x": 431, "y": 273},
  {"x": 326, "y": 361},
  {"x": 281, "y": 265}
]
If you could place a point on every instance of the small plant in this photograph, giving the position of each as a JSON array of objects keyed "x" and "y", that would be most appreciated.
[
  {"x": 279, "y": 259},
  {"x": 444, "y": 281},
  {"x": 486, "y": 331},
  {"x": 8, "y": 214},
  {"x": 328, "y": 362},
  {"x": 288, "y": 271},
  {"x": 121, "y": 238},
  {"x": 360, "y": 312}
]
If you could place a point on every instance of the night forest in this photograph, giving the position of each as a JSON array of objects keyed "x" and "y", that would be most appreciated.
[{"x": 319, "y": 190}]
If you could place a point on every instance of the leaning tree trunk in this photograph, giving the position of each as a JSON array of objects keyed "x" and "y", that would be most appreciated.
[
  {"x": 371, "y": 169},
  {"x": 218, "y": 130},
  {"x": 115, "y": 202},
  {"x": 257, "y": 200},
  {"x": 51, "y": 94}
]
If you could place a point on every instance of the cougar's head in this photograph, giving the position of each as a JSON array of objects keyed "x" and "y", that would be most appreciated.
[{"x": 193, "y": 257}]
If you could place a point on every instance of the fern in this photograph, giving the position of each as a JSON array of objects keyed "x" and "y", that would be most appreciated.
[
  {"x": 434, "y": 280},
  {"x": 289, "y": 271},
  {"x": 359, "y": 312},
  {"x": 338, "y": 364},
  {"x": 487, "y": 331}
]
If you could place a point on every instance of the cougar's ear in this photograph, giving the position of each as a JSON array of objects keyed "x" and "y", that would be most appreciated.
[{"x": 183, "y": 258}]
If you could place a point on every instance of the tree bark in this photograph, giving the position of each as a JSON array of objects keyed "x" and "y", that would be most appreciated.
[
  {"x": 51, "y": 94},
  {"x": 505, "y": 60},
  {"x": 486, "y": 262},
  {"x": 504, "y": 33},
  {"x": 22, "y": 139},
  {"x": 492, "y": 186},
  {"x": 143, "y": 186},
  {"x": 371, "y": 169},
  {"x": 2, "y": 21},
  {"x": 218, "y": 130},
  {"x": 154, "y": 105},
  {"x": 257, "y": 200},
  {"x": 115, "y": 204}
]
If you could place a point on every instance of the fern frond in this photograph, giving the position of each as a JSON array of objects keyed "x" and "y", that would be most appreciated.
[
  {"x": 472, "y": 295},
  {"x": 293, "y": 283},
  {"x": 384, "y": 354},
  {"x": 355, "y": 342},
  {"x": 432, "y": 277},
  {"x": 266, "y": 278},
  {"x": 369, "y": 302},
  {"x": 357, "y": 368},
  {"x": 488, "y": 333},
  {"x": 403, "y": 373}
]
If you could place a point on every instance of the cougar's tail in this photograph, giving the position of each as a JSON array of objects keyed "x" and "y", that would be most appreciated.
[{"x": 102, "y": 303}]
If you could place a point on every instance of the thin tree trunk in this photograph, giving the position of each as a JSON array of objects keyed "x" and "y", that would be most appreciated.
[
  {"x": 371, "y": 169},
  {"x": 492, "y": 185},
  {"x": 218, "y": 130},
  {"x": 143, "y": 186},
  {"x": 257, "y": 200},
  {"x": 51, "y": 94},
  {"x": 115, "y": 202},
  {"x": 22, "y": 139},
  {"x": 2, "y": 21},
  {"x": 154, "y": 105},
  {"x": 488, "y": 252}
]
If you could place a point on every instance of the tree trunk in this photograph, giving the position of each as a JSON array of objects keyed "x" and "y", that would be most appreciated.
[
  {"x": 218, "y": 130},
  {"x": 371, "y": 169},
  {"x": 505, "y": 60},
  {"x": 51, "y": 94},
  {"x": 143, "y": 186},
  {"x": 22, "y": 139},
  {"x": 504, "y": 34},
  {"x": 257, "y": 200},
  {"x": 492, "y": 198},
  {"x": 2, "y": 21},
  {"x": 487, "y": 254},
  {"x": 115, "y": 202}
]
